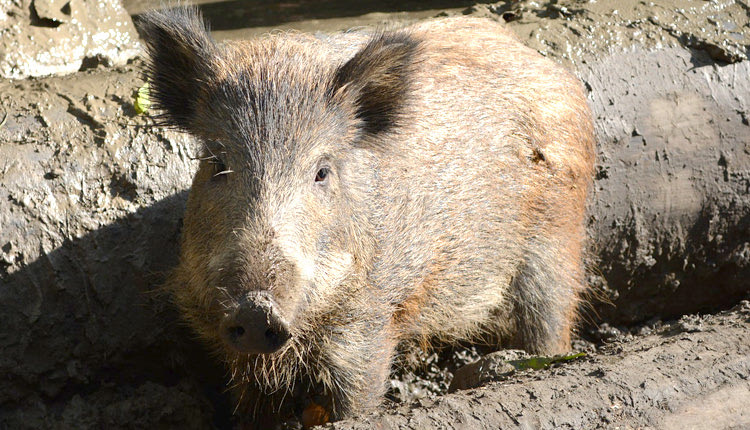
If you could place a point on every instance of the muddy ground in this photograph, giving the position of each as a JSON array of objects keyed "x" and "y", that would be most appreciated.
[
  {"x": 688, "y": 374},
  {"x": 91, "y": 196}
]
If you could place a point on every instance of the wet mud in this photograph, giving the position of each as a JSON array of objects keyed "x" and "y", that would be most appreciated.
[{"x": 92, "y": 194}]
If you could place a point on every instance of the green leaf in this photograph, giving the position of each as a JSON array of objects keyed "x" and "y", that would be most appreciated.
[
  {"x": 539, "y": 363},
  {"x": 142, "y": 102}
]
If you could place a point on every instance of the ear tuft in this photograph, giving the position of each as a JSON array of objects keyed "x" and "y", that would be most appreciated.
[
  {"x": 379, "y": 76},
  {"x": 180, "y": 50}
]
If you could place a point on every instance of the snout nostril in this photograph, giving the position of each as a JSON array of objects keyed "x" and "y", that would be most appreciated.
[
  {"x": 272, "y": 337},
  {"x": 255, "y": 327},
  {"x": 236, "y": 332}
]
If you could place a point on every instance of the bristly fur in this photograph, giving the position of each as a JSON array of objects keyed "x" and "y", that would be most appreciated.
[
  {"x": 380, "y": 75},
  {"x": 458, "y": 164},
  {"x": 179, "y": 50}
]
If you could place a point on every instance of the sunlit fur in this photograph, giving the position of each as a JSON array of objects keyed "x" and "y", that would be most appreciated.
[{"x": 459, "y": 161}]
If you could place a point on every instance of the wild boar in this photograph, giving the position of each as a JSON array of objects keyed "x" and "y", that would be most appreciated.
[{"x": 361, "y": 195}]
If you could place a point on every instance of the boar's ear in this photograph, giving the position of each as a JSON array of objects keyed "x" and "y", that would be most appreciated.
[
  {"x": 379, "y": 77},
  {"x": 180, "y": 50}
]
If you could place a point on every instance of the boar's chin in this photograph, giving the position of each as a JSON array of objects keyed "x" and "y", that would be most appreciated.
[{"x": 271, "y": 373}]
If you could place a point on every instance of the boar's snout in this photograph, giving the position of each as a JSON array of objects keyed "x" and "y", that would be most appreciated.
[{"x": 255, "y": 327}]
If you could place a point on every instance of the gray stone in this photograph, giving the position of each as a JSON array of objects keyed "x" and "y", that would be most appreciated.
[{"x": 54, "y": 37}]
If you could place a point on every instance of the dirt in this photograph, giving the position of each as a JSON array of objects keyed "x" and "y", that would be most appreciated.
[
  {"x": 90, "y": 212},
  {"x": 692, "y": 373},
  {"x": 91, "y": 197}
]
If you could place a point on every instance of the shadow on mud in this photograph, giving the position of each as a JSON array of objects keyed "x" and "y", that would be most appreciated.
[
  {"x": 237, "y": 14},
  {"x": 88, "y": 318},
  {"x": 672, "y": 282}
]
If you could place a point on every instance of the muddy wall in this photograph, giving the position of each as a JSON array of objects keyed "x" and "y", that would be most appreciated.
[
  {"x": 670, "y": 215},
  {"x": 91, "y": 197}
]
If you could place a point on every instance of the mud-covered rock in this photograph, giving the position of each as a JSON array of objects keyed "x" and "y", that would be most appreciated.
[
  {"x": 671, "y": 210},
  {"x": 491, "y": 367},
  {"x": 53, "y": 37}
]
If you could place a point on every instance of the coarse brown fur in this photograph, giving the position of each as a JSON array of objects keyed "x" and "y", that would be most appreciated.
[{"x": 459, "y": 164}]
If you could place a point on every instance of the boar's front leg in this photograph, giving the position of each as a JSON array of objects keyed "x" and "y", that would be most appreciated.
[{"x": 358, "y": 360}]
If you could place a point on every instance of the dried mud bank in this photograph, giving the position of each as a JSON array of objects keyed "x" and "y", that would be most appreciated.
[{"x": 91, "y": 197}]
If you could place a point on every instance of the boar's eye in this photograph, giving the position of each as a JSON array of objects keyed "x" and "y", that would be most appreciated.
[
  {"x": 220, "y": 170},
  {"x": 322, "y": 176}
]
